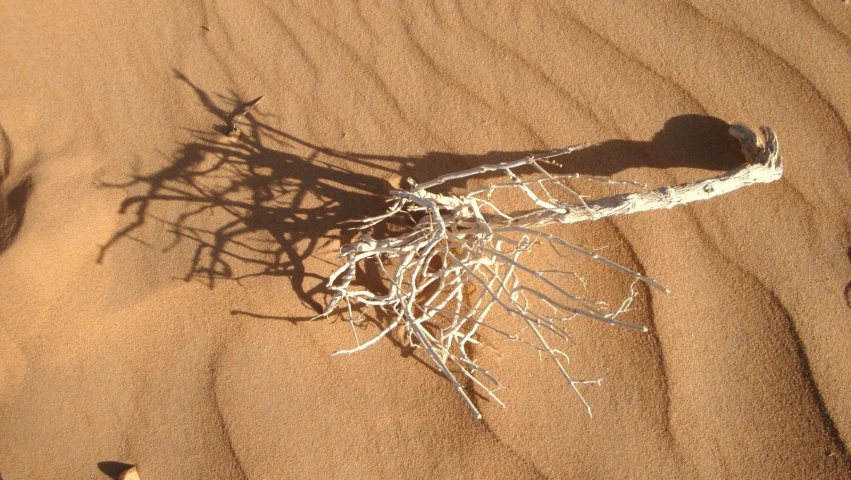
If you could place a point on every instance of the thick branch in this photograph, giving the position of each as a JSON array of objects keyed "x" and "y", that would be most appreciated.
[{"x": 764, "y": 166}]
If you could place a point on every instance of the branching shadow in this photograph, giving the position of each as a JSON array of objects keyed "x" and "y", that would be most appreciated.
[{"x": 261, "y": 203}]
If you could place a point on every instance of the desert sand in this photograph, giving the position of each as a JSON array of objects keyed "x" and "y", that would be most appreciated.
[{"x": 148, "y": 320}]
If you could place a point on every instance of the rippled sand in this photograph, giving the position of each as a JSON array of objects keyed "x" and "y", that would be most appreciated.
[{"x": 147, "y": 320}]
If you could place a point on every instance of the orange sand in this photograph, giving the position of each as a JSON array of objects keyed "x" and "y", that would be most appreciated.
[{"x": 188, "y": 356}]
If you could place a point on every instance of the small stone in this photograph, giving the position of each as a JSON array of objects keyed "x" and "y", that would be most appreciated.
[{"x": 129, "y": 474}]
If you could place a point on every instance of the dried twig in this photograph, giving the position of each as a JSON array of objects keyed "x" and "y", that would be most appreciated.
[
  {"x": 469, "y": 240},
  {"x": 236, "y": 116}
]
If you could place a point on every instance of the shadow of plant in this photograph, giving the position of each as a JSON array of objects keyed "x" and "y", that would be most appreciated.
[{"x": 249, "y": 200}]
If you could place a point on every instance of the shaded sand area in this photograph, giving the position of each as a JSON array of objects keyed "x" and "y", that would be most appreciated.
[{"x": 157, "y": 275}]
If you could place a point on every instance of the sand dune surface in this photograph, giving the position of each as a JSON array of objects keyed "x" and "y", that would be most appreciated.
[{"x": 149, "y": 319}]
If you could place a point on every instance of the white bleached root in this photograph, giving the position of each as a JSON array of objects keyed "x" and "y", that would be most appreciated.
[{"x": 463, "y": 257}]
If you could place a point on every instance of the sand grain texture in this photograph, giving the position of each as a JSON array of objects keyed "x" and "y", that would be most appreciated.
[{"x": 157, "y": 274}]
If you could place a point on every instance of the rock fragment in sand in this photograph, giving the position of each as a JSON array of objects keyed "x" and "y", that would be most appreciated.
[{"x": 129, "y": 474}]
